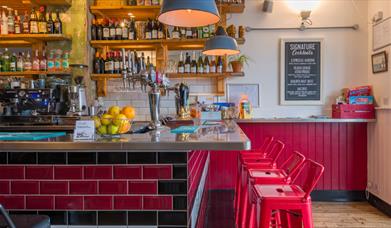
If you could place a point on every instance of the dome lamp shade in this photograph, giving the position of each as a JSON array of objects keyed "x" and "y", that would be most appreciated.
[
  {"x": 189, "y": 13},
  {"x": 221, "y": 44}
]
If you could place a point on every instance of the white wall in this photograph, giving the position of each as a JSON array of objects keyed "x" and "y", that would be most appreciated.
[
  {"x": 345, "y": 57},
  {"x": 379, "y": 143}
]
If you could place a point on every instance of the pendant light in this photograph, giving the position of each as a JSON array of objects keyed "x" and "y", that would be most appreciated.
[
  {"x": 221, "y": 44},
  {"x": 189, "y": 13}
]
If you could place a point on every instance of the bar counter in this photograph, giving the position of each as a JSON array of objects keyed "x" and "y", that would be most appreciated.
[{"x": 154, "y": 179}]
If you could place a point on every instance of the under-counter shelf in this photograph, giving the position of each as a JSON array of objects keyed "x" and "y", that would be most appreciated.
[{"x": 172, "y": 44}]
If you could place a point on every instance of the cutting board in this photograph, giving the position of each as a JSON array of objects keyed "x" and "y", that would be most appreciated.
[{"x": 28, "y": 136}]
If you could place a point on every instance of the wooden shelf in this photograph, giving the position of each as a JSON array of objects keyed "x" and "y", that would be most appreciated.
[
  {"x": 28, "y": 39},
  {"x": 204, "y": 76},
  {"x": 105, "y": 76},
  {"x": 144, "y": 12},
  {"x": 22, "y": 5},
  {"x": 139, "y": 12},
  {"x": 30, "y": 73},
  {"x": 172, "y": 44}
]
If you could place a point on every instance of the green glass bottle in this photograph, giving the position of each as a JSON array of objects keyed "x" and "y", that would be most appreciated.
[
  {"x": 6, "y": 61},
  {"x": 13, "y": 61}
]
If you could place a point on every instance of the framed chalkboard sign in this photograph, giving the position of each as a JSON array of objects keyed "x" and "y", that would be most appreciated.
[{"x": 301, "y": 72}]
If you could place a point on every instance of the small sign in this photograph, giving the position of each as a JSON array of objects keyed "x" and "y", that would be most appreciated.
[
  {"x": 210, "y": 116},
  {"x": 84, "y": 130},
  {"x": 301, "y": 72}
]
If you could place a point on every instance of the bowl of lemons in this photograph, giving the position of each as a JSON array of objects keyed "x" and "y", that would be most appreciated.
[{"x": 115, "y": 121}]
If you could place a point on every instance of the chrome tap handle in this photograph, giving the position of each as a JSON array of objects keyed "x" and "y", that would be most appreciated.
[{"x": 124, "y": 71}]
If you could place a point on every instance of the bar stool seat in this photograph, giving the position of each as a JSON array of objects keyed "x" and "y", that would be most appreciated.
[
  {"x": 267, "y": 173},
  {"x": 27, "y": 221},
  {"x": 272, "y": 192}
]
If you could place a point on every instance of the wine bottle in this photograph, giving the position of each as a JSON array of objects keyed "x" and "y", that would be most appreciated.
[
  {"x": 112, "y": 29},
  {"x": 42, "y": 25},
  {"x": 189, "y": 33},
  {"x": 33, "y": 22},
  {"x": 117, "y": 62},
  {"x": 176, "y": 33},
  {"x": 118, "y": 30},
  {"x": 106, "y": 30},
  {"x": 125, "y": 30},
  {"x": 50, "y": 26},
  {"x": 155, "y": 30},
  {"x": 187, "y": 64},
  {"x": 200, "y": 65},
  {"x": 93, "y": 29},
  {"x": 58, "y": 24},
  {"x": 181, "y": 67},
  {"x": 206, "y": 65},
  {"x": 161, "y": 32},
  {"x": 219, "y": 65},
  {"x": 99, "y": 30},
  {"x": 193, "y": 69},
  {"x": 132, "y": 30},
  {"x": 109, "y": 65},
  {"x": 148, "y": 30},
  {"x": 13, "y": 61},
  {"x": 96, "y": 63},
  {"x": 212, "y": 65}
]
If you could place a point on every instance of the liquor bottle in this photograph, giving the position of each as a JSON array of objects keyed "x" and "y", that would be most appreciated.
[
  {"x": 187, "y": 63},
  {"x": 58, "y": 60},
  {"x": 65, "y": 61},
  {"x": 13, "y": 61},
  {"x": 161, "y": 32},
  {"x": 11, "y": 22},
  {"x": 205, "y": 32},
  {"x": 118, "y": 30},
  {"x": 58, "y": 23},
  {"x": 109, "y": 65},
  {"x": 189, "y": 33},
  {"x": 155, "y": 30},
  {"x": 117, "y": 63},
  {"x": 106, "y": 30},
  {"x": 18, "y": 24},
  {"x": 97, "y": 68},
  {"x": 132, "y": 30},
  {"x": 181, "y": 66},
  {"x": 212, "y": 65},
  {"x": 125, "y": 30},
  {"x": 27, "y": 62},
  {"x": 26, "y": 23},
  {"x": 42, "y": 25},
  {"x": 176, "y": 33},
  {"x": 20, "y": 63},
  {"x": 43, "y": 62},
  {"x": 219, "y": 65},
  {"x": 112, "y": 29},
  {"x": 4, "y": 24},
  {"x": 35, "y": 66},
  {"x": 50, "y": 24},
  {"x": 6, "y": 61},
  {"x": 200, "y": 65},
  {"x": 206, "y": 65},
  {"x": 99, "y": 30},
  {"x": 93, "y": 29},
  {"x": 148, "y": 30},
  {"x": 33, "y": 22},
  {"x": 193, "y": 69},
  {"x": 50, "y": 64}
]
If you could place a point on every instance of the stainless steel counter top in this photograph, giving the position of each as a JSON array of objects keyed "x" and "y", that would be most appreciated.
[
  {"x": 305, "y": 120},
  {"x": 227, "y": 136}
]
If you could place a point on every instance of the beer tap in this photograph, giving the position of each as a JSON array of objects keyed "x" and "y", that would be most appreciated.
[{"x": 124, "y": 71}]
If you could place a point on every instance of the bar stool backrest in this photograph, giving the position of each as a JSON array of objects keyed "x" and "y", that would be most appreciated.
[
  {"x": 292, "y": 165},
  {"x": 308, "y": 176},
  {"x": 266, "y": 144},
  {"x": 274, "y": 150}
]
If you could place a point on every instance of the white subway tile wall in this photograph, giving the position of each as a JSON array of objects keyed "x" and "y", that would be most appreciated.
[{"x": 117, "y": 95}]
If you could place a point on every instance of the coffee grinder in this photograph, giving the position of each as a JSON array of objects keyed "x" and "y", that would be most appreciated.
[{"x": 77, "y": 92}]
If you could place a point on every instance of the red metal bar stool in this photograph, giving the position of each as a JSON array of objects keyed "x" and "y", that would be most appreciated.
[
  {"x": 273, "y": 153},
  {"x": 283, "y": 175},
  {"x": 267, "y": 201},
  {"x": 260, "y": 152}
]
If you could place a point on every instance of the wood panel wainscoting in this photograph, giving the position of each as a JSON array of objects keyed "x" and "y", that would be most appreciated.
[{"x": 340, "y": 147}]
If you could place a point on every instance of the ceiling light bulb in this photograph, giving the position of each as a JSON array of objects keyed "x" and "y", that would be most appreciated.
[{"x": 189, "y": 10}]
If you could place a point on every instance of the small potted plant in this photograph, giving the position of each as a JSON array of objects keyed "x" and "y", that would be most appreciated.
[{"x": 237, "y": 63}]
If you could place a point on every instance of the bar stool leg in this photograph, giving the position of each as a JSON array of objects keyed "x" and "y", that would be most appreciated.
[
  {"x": 265, "y": 216},
  {"x": 307, "y": 216},
  {"x": 252, "y": 219}
]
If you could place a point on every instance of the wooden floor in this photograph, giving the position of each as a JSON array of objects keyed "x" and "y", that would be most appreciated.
[{"x": 348, "y": 215}]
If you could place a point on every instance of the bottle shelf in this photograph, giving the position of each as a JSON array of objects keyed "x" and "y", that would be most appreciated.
[
  {"x": 22, "y": 5},
  {"x": 172, "y": 44},
  {"x": 144, "y": 12},
  {"x": 27, "y": 39},
  {"x": 30, "y": 73}
]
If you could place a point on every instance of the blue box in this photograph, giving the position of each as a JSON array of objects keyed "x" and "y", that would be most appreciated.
[{"x": 363, "y": 100}]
